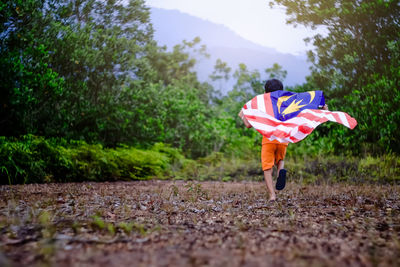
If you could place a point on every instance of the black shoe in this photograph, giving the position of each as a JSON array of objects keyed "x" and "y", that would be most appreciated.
[{"x": 281, "y": 181}]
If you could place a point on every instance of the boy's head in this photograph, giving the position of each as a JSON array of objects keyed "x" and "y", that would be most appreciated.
[{"x": 273, "y": 85}]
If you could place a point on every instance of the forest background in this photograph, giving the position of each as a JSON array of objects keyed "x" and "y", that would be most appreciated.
[{"x": 87, "y": 94}]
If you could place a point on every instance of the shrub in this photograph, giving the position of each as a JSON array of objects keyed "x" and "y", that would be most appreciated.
[
  {"x": 31, "y": 160},
  {"x": 330, "y": 168},
  {"x": 34, "y": 159}
]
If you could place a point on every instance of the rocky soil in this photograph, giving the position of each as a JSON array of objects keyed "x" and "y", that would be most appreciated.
[{"x": 176, "y": 223}]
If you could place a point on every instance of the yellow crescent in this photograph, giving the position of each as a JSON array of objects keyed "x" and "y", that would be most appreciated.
[
  {"x": 281, "y": 100},
  {"x": 312, "y": 95}
]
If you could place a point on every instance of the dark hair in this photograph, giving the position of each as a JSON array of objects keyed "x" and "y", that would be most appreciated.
[{"x": 273, "y": 85}]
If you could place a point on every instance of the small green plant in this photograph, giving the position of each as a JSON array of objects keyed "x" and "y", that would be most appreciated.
[
  {"x": 140, "y": 228},
  {"x": 76, "y": 226},
  {"x": 196, "y": 191},
  {"x": 98, "y": 222},
  {"x": 111, "y": 228},
  {"x": 126, "y": 227},
  {"x": 44, "y": 218},
  {"x": 174, "y": 190}
]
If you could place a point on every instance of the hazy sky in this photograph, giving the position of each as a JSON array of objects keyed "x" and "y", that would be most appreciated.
[{"x": 252, "y": 19}]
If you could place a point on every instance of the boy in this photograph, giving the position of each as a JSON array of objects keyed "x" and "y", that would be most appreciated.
[{"x": 272, "y": 152}]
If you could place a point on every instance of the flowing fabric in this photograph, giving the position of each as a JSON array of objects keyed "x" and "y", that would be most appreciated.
[{"x": 289, "y": 117}]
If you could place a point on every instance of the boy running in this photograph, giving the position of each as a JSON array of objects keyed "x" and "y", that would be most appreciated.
[{"x": 272, "y": 152}]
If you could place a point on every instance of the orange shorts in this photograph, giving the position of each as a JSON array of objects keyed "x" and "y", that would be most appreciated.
[{"x": 271, "y": 154}]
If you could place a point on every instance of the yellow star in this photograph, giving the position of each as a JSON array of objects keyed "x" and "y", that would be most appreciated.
[
  {"x": 281, "y": 100},
  {"x": 293, "y": 107}
]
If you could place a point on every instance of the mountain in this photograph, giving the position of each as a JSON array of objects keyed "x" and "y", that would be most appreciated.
[{"x": 172, "y": 27}]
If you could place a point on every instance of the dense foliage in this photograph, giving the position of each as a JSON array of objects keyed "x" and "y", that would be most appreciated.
[
  {"x": 32, "y": 159},
  {"x": 89, "y": 70},
  {"x": 356, "y": 64},
  {"x": 36, "y": 160}
]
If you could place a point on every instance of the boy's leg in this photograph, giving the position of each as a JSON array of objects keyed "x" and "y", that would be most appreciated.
[
  {"x": 280, "y": 155},
  {"x": 268, "y": 181},
  {"x": 281, "y": 165}
]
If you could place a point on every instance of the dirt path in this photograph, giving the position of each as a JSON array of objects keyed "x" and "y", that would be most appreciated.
[{"x": 165, "y": 223}]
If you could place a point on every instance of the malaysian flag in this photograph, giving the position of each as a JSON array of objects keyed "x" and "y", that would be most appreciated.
[{"x": 289, "y": 117}]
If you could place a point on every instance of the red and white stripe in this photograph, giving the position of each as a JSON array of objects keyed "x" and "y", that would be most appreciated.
[{"x": 259, "y": 113}]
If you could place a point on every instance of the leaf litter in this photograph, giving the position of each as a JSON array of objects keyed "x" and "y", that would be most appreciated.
[{"x": 177, "y": 223}]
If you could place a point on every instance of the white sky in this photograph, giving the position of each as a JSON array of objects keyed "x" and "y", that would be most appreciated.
[{"x": 252, "y": 19}]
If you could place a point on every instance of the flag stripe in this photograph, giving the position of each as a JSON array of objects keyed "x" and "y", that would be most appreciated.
[
  {"x": 268, "y": 104},
  {"x": 268, "y": 128},
  {"x": 282, "y": 136},
  {"x": 268, "y": 121},
  {"x": 288, "y": 130},
  {"x": 312, "y": 117},
  {"x": 352, "y": 121},
  {"x": 260, "y": 103},
  {"x": 344, "y": 120},
  {"x": 337, "y": 118},
  {"x": 302, "y": 119},
  {"x": 254, "y": 103}
]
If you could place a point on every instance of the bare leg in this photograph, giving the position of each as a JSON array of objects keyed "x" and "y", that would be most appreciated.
[
  {"x": 281, "y": 165},
  {"x": 268, "y": 181}
]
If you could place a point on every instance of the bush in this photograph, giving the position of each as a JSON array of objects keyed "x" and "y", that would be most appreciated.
[
  {"x": 330, "y": 168},
  {"x": 36, "y": 160},
  {"x": 33, "y": 159}
]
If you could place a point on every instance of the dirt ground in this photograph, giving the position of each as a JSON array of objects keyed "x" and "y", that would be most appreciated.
[{"x": 176, "y": 223}]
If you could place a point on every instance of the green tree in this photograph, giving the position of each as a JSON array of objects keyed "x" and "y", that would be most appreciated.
[
  {"x": 356, "y": 43},
  {"x": 29, "y": 89},
  {"x": 221, "y": 71},
  {"x": 94, "y": 48},
  {"x": 98, "y": 52},
  {"x": 248, "y": 84},
  {"x": 89, "y": 69},
  {"x": 182, "y": 113},
  {"x": 355, "y": 64},
  {"x": 220, "y": 74},
  {"x": 276, "y": 72}
]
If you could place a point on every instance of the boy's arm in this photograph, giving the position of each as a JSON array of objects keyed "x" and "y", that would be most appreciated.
[{"x": 245, "y": 121}]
